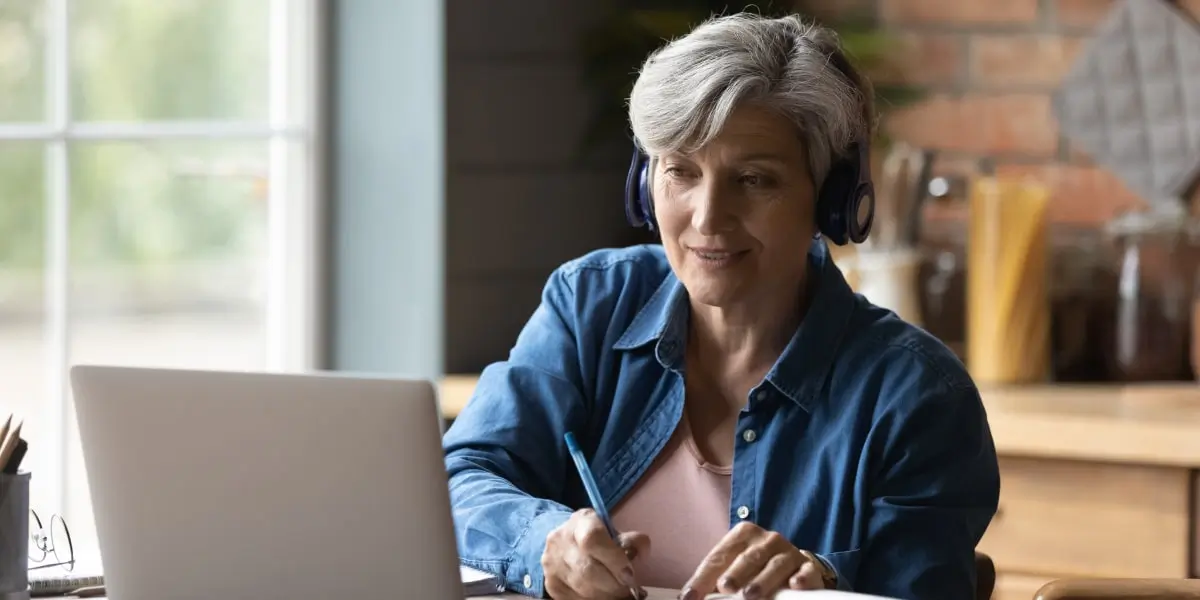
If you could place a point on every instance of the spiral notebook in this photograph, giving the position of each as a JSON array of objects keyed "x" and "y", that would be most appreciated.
[
  {"x": 61, "y": 583},
  {"x": 479, "y": 583}
]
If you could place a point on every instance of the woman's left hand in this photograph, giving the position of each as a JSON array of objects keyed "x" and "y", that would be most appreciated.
[{"x": 755, "y": 562}]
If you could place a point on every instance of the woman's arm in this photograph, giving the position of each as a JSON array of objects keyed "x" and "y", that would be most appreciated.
[
  {"x": 505, "y": 455},
  {"x": 937, "y": 488}
]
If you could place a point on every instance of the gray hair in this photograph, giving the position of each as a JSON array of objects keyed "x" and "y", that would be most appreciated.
[{"x": 688, "y": 88}]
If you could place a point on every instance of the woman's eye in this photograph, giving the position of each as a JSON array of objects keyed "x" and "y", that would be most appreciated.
[{"x": 751, "y": 180}]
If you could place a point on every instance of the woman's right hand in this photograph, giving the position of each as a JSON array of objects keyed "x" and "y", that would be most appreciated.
[{"x": 582, "y": 562}]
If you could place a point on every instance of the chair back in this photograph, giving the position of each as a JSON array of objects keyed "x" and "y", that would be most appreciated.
[{"x": 985, "y": 576}]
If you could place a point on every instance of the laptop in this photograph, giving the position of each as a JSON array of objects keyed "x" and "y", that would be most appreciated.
[{"x": 212, "y": 484}]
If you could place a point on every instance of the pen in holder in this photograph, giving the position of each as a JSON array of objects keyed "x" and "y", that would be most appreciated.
[{"x": 14, "y": 536}]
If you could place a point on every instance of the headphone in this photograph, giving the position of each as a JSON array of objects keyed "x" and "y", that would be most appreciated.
[{"x": 845, "y": 203}]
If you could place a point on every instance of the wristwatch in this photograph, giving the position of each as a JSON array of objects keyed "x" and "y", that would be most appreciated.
[{"x": 829, "y": 576}]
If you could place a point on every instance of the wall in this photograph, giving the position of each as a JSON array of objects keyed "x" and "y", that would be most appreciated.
[
  {"x": 387, "y": 183},
  {"x": 990, "y": 65},
  {"x": 519, "y": 200}
]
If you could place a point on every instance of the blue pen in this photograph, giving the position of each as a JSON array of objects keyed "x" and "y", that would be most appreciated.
[{"x": 593, "y": 491}]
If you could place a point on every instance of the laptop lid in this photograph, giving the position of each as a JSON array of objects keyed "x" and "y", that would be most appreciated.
[{"x": 209, "y": 484}]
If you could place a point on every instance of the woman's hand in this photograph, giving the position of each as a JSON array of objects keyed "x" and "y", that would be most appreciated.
[
  {"x": 755, "y": 562},
  {"x": 582, "y": 562}
]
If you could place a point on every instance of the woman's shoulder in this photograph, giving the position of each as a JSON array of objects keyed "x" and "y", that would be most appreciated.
[
  {"x": 616, "y": 269},
  {"x": 913, "y": 361},
  {"x": 605, "y": 290},
  {"x": 639, "y": 259}
]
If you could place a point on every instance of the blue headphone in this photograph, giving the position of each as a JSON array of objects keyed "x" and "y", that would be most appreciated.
[{"x": 845, "y": 202}]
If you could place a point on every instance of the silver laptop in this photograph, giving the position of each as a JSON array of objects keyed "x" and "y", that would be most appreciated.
[{"x": 250, "y": 485}]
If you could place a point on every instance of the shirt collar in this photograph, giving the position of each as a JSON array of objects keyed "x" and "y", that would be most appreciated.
[{"x": 808, "y": 357}]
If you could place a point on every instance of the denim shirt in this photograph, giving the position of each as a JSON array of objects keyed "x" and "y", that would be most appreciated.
[{"x": 871, "y": 447}]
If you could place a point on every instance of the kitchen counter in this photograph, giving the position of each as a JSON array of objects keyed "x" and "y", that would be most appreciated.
[{"x": 1147, "y": 424}]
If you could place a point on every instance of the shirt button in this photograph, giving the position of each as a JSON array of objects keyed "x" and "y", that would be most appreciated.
[
  {"x": 528, "y": 581},
  {"x": 761, "y": 395},
  {"x": 743, "y": 512},
  {"x": 749, "y": 436}
]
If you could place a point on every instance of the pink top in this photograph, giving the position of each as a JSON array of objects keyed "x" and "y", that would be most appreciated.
[{"x": 682, "y": 503}]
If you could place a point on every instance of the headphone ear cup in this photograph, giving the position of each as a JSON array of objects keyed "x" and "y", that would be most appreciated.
[
  {"x": 633, "y": 191},
  {"x": 846, "y": 201},
  {"x": 833, "y": 201},
  {"x": 645, "y": 197},
  {"x": 861, "y": 213},
  {"x": 639, "y": 206}
]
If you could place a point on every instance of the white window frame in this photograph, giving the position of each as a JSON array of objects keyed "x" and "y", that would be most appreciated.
[{"x": 294, "y": 133}]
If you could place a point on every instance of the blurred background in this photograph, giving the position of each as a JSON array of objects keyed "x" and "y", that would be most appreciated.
[{"x": 384, "y": 185}]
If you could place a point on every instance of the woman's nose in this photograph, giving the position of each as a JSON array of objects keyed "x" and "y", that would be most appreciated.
[{"x": 711, "y": 212}]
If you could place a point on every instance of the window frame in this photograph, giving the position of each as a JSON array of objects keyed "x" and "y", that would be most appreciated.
[{"x": 296, "y": 138}]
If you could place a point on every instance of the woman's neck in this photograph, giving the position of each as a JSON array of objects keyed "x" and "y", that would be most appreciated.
[{"x": 749, "y": 337}]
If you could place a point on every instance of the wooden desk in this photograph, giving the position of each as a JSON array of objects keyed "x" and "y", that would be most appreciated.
[{"x": 1096, "y": 481}]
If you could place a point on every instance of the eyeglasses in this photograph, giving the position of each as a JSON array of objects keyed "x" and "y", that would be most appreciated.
[{"x": 56, "y": 542}]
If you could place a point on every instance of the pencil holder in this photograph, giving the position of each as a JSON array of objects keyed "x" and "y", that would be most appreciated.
[{"x": 14, "y": 536}]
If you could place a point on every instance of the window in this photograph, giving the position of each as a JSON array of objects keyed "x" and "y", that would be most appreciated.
[{"x": 157, "y": 203}]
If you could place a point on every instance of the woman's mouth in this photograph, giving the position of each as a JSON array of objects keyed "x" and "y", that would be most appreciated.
[{"x": 717, "y": 258}]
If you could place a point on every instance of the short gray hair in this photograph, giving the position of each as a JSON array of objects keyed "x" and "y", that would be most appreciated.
[{"x": 688, "y": 88}]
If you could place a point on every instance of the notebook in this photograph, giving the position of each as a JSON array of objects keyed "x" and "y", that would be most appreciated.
[
  {"x": 61, "y": 583},
  {"x": 806, "y": 595},
  {"x": 479, "y": 583},
  {"x": 475, "y": 582}
]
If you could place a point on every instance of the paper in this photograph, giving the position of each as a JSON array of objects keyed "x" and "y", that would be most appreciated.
[
  {"x": 476, "y": 582},
  {"x": 806, "y": 595}
]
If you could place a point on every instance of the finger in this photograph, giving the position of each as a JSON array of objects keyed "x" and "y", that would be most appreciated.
[
  {"x": 753, "y": 559},
  {"x": 704, "y": 580},
  {"x": 558, "y": 589},
  {"x": 807, "y": 578},
  {"x": 591, "y": 537},
  {"x": 634, "y": 544},
  {"x": 588, "y": 578},
  {"x": 751, "y": 562},
  {"x": 773, "y": 576}
]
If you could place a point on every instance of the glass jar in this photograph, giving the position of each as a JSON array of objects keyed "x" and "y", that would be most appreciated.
[
  {"x": 1082, "y": 293},
  {"x": 943, "y": 281},
  {"x": 1154, "y": 296}
]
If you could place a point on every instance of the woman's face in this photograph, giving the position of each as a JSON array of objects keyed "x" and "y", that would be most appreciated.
[{"x": 737, "y": 216}]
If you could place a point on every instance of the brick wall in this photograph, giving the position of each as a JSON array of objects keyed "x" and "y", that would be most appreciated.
[{"x": 990, "y": 66}]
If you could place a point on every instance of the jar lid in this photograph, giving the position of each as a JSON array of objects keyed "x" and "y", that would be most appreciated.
[{"x": 1159, "y": 218}]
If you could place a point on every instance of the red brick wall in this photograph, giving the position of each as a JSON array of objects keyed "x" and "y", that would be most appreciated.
[{"x": 989, "y": 66}]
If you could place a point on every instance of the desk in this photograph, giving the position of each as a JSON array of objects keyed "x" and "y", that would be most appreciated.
[{"x": 1096, "y": 481}]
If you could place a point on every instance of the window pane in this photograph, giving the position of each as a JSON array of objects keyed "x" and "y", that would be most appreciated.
[
  {"x": 168, "y": 250},
  {"x": 134, "y": 60},
  {"x": 23, "y": 368},
  {"x": 22, "y": 69}
]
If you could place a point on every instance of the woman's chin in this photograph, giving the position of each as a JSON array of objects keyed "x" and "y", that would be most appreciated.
[{"x": 713, "y": 291}]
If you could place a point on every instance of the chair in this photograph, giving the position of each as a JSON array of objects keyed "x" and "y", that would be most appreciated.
[
  {"x": 1120, "y": 589},
  {"x": 985, "y": 576}
]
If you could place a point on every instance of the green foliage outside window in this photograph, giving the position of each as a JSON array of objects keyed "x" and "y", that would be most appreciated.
[{"x": 137, "y": 203}]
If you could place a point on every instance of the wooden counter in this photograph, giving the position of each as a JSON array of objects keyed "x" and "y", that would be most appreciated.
[
  {"x": 1096, "y": 481},
  {"x": 1152, "y": 424}
]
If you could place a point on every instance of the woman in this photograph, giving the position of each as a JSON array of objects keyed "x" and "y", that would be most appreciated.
[{"x": 752, "y": 424}]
